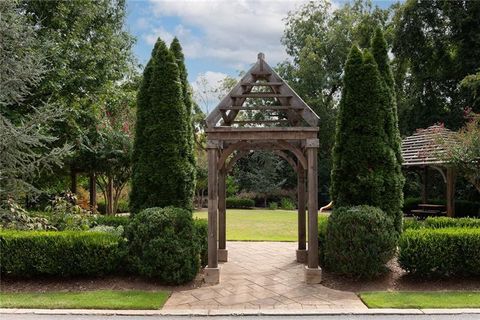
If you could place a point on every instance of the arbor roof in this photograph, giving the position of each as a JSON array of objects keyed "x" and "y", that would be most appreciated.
[{"x": 425, "y": 146}]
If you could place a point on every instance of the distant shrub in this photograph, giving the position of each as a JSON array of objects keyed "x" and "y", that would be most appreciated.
[
  {"x": 163, "y": 244},
  {"x": 441, "y": 222},
  {"x": 59, "y": 253},
  {"x": 359, "y": 241},
  {"x": 239, "y": 203},
  {"x": 113, "y": 221},
  {"x": 463, "y": 208},
  {"x": 287, "y": 204},
  {"x": 322, "y": 237},
  {"x": 273, "y": 206},
  {"x": 441, "y": 252},
  {"x": 201, "y": 226},
  {"x": 123, "y": 206}
]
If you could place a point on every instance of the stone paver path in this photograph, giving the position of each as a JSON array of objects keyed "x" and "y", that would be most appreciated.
[{"x": 263, "y": 275}]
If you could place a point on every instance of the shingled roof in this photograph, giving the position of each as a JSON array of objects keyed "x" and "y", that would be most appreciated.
[{"x": 424, "y": 147}]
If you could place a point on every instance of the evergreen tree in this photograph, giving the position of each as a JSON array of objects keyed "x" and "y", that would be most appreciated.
[
  {"x": 364, "y": 168},
  {"x": 162, "y": 170},
  {"x": 177, "y": 51},
  {"x": 380, "y": 53}
]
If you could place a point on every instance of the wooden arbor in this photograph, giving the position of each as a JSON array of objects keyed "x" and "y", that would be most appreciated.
[
  {"x": 422, "y": 151},
  {"x": 262, "y": 113}
]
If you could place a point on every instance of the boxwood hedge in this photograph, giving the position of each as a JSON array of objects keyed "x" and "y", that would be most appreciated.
[
  {"x": 59, "y": 253},
  {"x": 441, "y": 252}
]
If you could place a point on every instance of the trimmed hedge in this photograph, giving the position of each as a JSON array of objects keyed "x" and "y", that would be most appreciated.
[
  {"x": 113, "y": 221},
  {"x": 201, "y": 226},
  {"x": 123, "y": 207},
  {"x": 239, "y": 203},
  {"x": 441, "y": 222},
  {"x": 463, "y": 208},
  {"x": 359, "y": 241},
  {"x": 59, "y": 253},
  {"x": 441, "y": 252},
  {"x": 163, "y": 244}
]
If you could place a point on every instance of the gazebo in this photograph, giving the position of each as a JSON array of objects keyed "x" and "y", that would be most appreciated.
[
  {"x": 262, "y": 112},
  {"x": 423, "y": 150}
]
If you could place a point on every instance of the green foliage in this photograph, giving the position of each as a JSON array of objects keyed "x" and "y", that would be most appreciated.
[
  {"x": 273, "y": 206},
  {"x": 163, "y": 174},
  {"x": 318, "y": 37},
  {"x": 163, "y": 245},
  {"x": 359, "y": 241},
  {"x": 436, "y": 44},
  {"x": 59, "y": 253},
  {"x": 322, "y": 237},
  {"x": 113, "y": 221},
  {"x": 13, "y": 216},
  {"x": 442, "y": 222},
  {"x": 366, "y": 170},
  {"x": 201, "y": 227},
  {"x": 287, "y": 204},
  {"x": 239, "y": 203},
  {"x": 122, "y": 206},
  {"x": 64, "y": 214},
  {"x": 441, "y": 252}
]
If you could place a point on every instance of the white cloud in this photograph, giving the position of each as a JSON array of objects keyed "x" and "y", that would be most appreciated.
[
  {"x": 205, "y": 89},
  {"x": 231, "y": 32}
]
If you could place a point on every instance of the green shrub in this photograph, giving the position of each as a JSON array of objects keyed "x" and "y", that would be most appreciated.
[
  {"x": 113, "y": 221},
  {"x": 59, "y": 253},
  {"x": 273, "y": 206},
  {"x": 201, "y": 226},
  {"x": 287, "y": 204},
  {"x": 463, "y": 208},
  {"x": 239, "y": 203},
  {"x": 441, "y": 252},
  {"x": 441, "y": 222},
  {"x": 322, "y": 236},
  {"x": 360, "y": 241},
  {"x": 163, "y": 244},
  {"x": 123, "y": 206}
]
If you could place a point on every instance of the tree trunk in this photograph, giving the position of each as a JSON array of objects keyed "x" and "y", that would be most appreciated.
[
  {"x": 265, "y": 201},
  {"x": 93, "y": 192},
  {"x": 109, "y": 200}
]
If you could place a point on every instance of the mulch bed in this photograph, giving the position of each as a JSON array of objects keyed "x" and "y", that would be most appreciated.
[
  {"x": 396, "y": 279},
  {"x": 8, "y": 284}
]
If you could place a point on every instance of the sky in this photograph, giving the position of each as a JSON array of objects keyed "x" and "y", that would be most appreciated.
[{"x": 219, "y": 37}]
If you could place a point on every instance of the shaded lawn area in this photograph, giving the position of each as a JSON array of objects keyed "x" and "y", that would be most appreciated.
[
  {"x": 421, "y": 300},
  {"x": 102, "y": 299},
  {"x": 259, "y": 224}
]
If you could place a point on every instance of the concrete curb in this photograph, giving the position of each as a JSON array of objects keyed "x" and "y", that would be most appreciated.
[{"x": 239, "y": 312}]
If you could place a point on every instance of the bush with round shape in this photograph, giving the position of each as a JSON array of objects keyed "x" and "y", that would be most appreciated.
[
  {"x": 163, "y": 245},
  {"x": 360, "y": 240}
]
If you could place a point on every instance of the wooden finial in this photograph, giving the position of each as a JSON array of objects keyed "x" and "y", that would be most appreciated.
[{"x": 261, "y": 56}]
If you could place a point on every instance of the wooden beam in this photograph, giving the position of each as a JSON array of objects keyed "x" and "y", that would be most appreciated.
[
  {"x": 302, "y": 223},
  {"x": 212, "y": 207},
  {"x": 264, "y": 84},
  {"x": 260, "y": 95},
  {"x": 312, "y": 209},
  {"x": 424, "y": 194},
  {"x": 287, "y": 107}
]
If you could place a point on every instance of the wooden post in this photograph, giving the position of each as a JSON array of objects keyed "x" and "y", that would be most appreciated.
[
  {"x": 222, "y": 217},
  {"x": 451, "y": 178},
  {"x": 212, "y": 272},
  {"x": 313, "y": 273},
  {"x": 109, "y": 201},
  {"x": 93, "y": 192},
  {"x": 302, "y": 228},
  {"x": 424, "y": 184}
]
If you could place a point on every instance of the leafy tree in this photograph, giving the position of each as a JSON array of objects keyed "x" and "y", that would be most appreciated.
[
  {"x": 436, "y": 45},
  {"x": 365, "y": 164},
  {"x": 26, "y": 142},
  {"x": 318, "y": 38},
  {"x": 163, "y": 174}
]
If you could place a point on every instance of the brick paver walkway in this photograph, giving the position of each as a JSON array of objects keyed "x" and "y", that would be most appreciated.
[{"x": 263, "y": 275}]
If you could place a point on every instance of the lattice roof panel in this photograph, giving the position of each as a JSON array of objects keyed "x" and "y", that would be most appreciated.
[
  {"x": 424, "y": 147},
  {"x": 262, "y": 98}
]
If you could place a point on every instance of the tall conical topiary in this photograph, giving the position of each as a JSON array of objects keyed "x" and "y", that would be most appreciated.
[
  {"x": 363, "y": 159},
  {"x": 177, "y": 51},
  {"x": 380, "y": 53},
  {"x": 162, "y": 169}
]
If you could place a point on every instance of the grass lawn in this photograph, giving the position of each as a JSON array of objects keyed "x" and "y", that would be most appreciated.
[
  {"x": 422, "y": 300},
  {"x": 141, "y": 300},
  {"x": 259, "y": 224}
]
